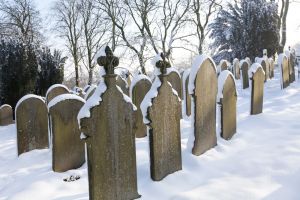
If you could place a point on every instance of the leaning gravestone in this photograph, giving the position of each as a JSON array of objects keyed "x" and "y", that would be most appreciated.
[
  {"x": 187, "y": 96},
  {"x": 203, "y": 88},
  {"x": 56, "y": 90},
  {"x": 257, "y": 76},
  {"x": 108, "y": 125},
  {"x": 236, "y": 68},
  {"x": 123, "y": 85},
  {"x": 227, "y": 98},
  {"x": 140, "y": 86},
  {"x": 32, "y": 123},
  {"x": 163, "y": 120},
  {"x": 175, "y": 80},
  {"x": 6, "y": 115},
  {"x": 244, "y": 69},
  {"x": 271, "y": 73},
  {"x": 68, "y": 150},
  {"x": 284, "y": 65}
]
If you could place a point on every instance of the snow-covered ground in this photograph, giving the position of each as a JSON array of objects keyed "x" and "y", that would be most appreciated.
[{"x": 262, "y": 161}]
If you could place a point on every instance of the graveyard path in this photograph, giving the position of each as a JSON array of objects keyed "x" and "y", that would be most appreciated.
[{"x": 261, "y": 161}]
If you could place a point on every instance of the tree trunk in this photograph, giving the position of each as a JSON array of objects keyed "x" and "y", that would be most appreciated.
[
  {"x": 142, "y": 64},
  {"x": 90, "y": 76},
  {"x": 283, "y": 30}
]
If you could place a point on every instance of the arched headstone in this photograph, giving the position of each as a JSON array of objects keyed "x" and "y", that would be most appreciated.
[
  {"x": 284, "y": 65},
  {"x": 223, "y": 65},
  {"x": 56, "y": 90},
  {"x": 32, "y": 123},
  {"x": 227, "y": 98},
  {"x": 68, "y": 151},
  {"x": 203, "y": 88},
  {"x": 175, "y": 80},
  {"x": 108, "y": 125},
  {"x": 257, "y": 76},
  {"x": 244, "y": 70},
  {"x": 139, "y": 88},
  {"x": 123, "y": 85},
  {"x": 6, "y": 115},
  {"x": 236, "y": 68}
]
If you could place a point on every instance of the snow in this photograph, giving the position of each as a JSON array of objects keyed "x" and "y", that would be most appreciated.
[
  {"x": 219, "y": 67},
  {"x": 55, "y": 86},
  {"x": 127, "y": 98},
  {"x": 221, "y": 81},
  {"x": 27, "y": 97},
  {"x": 261, "y": 161},
  {"x": 4, "y": 105},
  {"x": 254, "y": 67},
  {"x": 197, "y": 63},
  {"x": 64, "y": 97},
  {"x": 135, "y": 80}
]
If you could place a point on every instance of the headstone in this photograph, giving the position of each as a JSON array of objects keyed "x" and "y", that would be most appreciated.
[
  {"x": 163, "y": 118},
  {"x": 175, "y": 80},
  {"x": 187, "y": 96},
  {"x": 291, "y": 60},
  {"x": 236, "y": 69},
  {"x": 6, "y": 115},
  {"x": 244, "y": 70},
  {"x": 109, "y": 129},
  {"x": 90, "y": 92},
  {"x": 271, "y": 63},
  {"x": 222, "y": 66},
  {"x": 68, "y": 151},
  {"x": 31, "y": 123},
  {"x": 123, "y": 84},
  {"x": 138, "y": 91},
  {"x": 203, "y": 88},
  {"x": 56, "y": 90},
  {"x": 227, "y": 98},
  {"x": 264, "y": 65},
  {"x": 284, "y": 65},
  {"x": 257, "y": 75}
]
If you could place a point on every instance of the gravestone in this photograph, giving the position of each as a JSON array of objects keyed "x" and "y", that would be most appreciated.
[
  {"x": 164, "y": 127},
  {"x": 257, "y": 76},
  {"x": 203, "y": 88},
  {"x": 68, "y": 151},
  {"x": 138, "y": 92},
  {"x": 175, "y": 80},
  {"x": 222, "y": 66},
  {"x": 292, "y": 77},
  {"x": 271, "y": 63},
  {"x": 236, "y": 68},
  {"x": 56, "y": 90},
  {"x": 123, "y": 85},
  {"x": 264, "y": 65},
  {"x": 244, "y": 70},
  {"x": 284, "y": 65},
  {"x": 188, "y": 98},
  {"x": 90, "y": 92},
  {"x": 31, "y": 123},
  {"x": 227, "y": 98},
  {"x": 6, "y": 115},
  {"x": 110, "y": 139}
]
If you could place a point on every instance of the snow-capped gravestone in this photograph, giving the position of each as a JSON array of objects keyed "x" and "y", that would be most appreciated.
[
  {"x": 67, "y": 148},
  {"x": 139, "y": 87},
  {"x": 223, "y": 65},
  {"x": 56, "y": 90},
  {"x": 186, "y": 96},
  {"x": 271, "y": 72},
  {"x": 244, "y": 69},
  {"x": 284, "y": 65},
  {"x": 122, "y": 83},
  {"x": 257, "y": 76},
  {"x": 90, "y": 92},
  {"x": 291, "y": 59},
  {"x": 265, "y": 66},
  {"x": 175, "y": 80},
  {"x": 236, "y": 68},
  {"x": 203, "y": 88},
  {"x": 32, "y": 123},
  {"x": 227, "y": 98},
  {"x": 162, "y": 110},
  {"x": 6, "y": 115},
  {"x": 107, "y": 122}
]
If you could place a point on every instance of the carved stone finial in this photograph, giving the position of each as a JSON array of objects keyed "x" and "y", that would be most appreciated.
[
  {"x": 163, "y": 64},
  {"x": 109, "y": 62}
]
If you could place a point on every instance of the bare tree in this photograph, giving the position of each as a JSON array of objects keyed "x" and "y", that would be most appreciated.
[
  {"x": 68, "y": 26},
  {"x": 20, "y": 19}
]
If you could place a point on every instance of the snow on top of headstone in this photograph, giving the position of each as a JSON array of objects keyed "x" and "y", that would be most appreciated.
[
  {"x": 195, "y": 68},
  {"x": 63, "y": 97},
  {"x": 219, "y": 67},
  {"x": 247, "y": 59},
  {"x": 147, "y": 101},
  {"x": 221, "y": 81},
  {"x": 92, "y": 102},
  {"x": 172, "y": 69},
  {"x": 127, "y": 98},
  {"x": 135, "y": 80},
  {"x": 235, "y": 61},
  {"x": 4, "y": 105},
  {"x": 27, "y": 97},
  {"x": 254, "y": 67},
  {"x": 280, "y": 58},
  {"x": 55, "y": 86},
  {"x": 100, "y": 52},
  {"x": 92, "y": 87}
]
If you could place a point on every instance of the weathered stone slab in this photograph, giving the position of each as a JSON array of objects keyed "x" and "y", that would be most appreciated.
[
  {"x": 164, "y": 131},
  {"x": 284, "y": 65},
  {"x": 6, "y": 115},
  {"x": 188, "y": 97},
  {"x": 175, "y": 80},
  {"x": 265, "y": 66},
  {"x": 56, "y": 90},
  {"x": 32, "y": 124},
  {"x": 236, "y": 69},
  {"x": 123, "y": 84},
  {"x": 138, "y": 91},
  {"x": 68, "y": 151},
  {"x": 244, "y": 70},
  {"x": 257, "y": 76},
  {"x": 227, "y": 98},
  {"x": 271, "y": 63},
  {"x": 291, "y": 61},
  {"x": 203, "y": 88}
]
